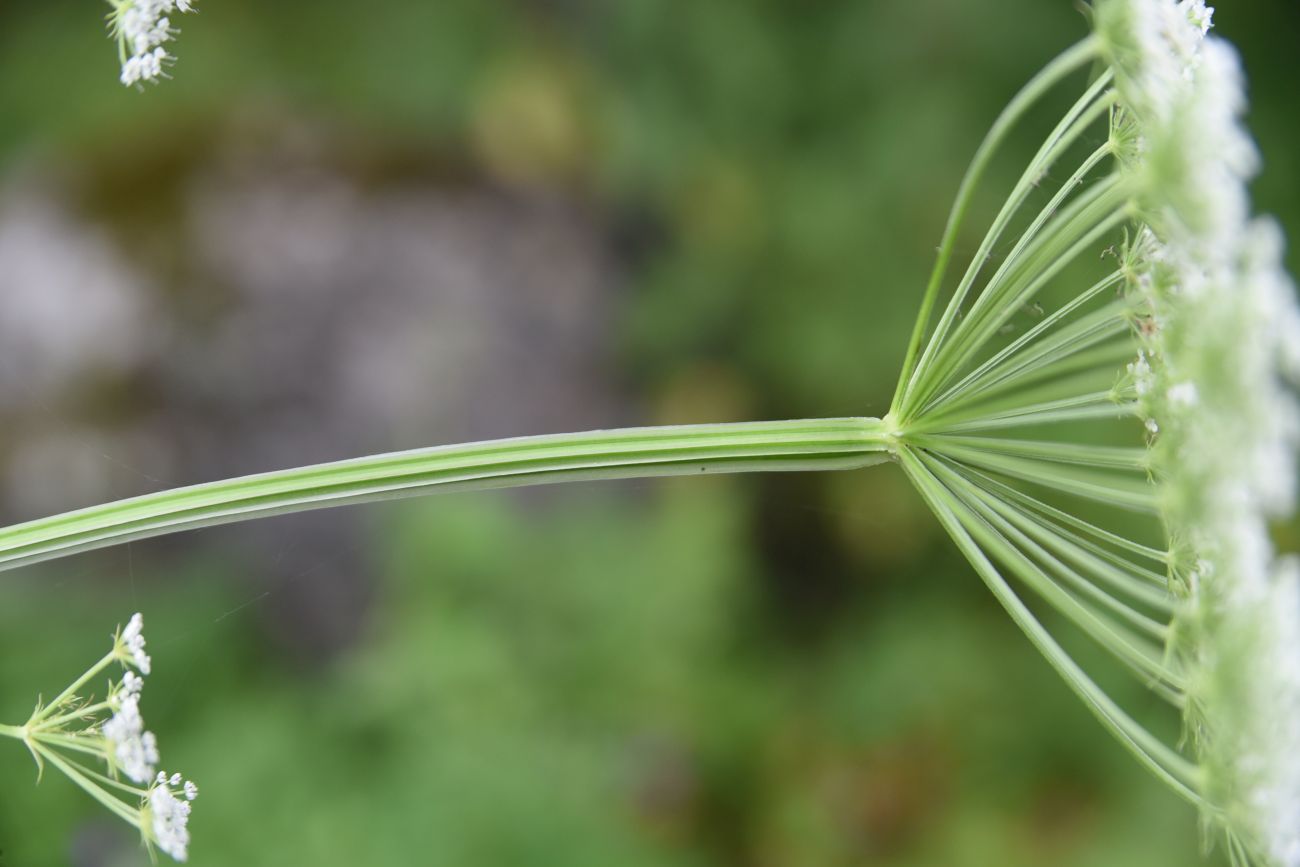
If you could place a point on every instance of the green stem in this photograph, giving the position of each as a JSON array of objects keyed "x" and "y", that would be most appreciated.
[
  {"x": 1070, "y": 129},
  {"x": 1013, "y": 349},
  {"x": 79, "y": 713},
  {"x": 88, "y": 785},
  {"x": 809, "y": 444},
  {"x": 17, "y": 732},
  {"x": 1120, "y": 490},
  {"x": 91, "y": 745},
  {"x": 72, "y": 688},
  {"x": 1183, "y": 777},
  {"x": 1076, "y": 229},
  {"x": 1100, "y": 343},
  {"x": 1059, "y": 69},
  {"x": 1092, "y": 405},
  {"x": 1017, "y": 497},
  {"x": 105, "y": 780},
  {"x": 1023, "y": 244}
]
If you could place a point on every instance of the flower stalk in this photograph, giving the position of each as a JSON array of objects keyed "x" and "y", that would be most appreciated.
[{"x": 782, "y": 446}]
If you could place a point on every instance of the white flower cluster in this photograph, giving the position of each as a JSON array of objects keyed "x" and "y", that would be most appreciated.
[
  {"x": 169, "y": 815},
  {"x": 134, "y": 751},
  {"x": 1218, "y": 384},
  {"x": 74, "y": 731},
  {"x": 133, "y": 643},
  {"x": 142, "y": 27}
]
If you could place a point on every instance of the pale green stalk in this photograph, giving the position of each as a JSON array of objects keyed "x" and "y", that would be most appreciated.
[
  {"x": 92, "y": 745},
  {"x": 72, "y": 716},
  {"x": 78, "y": 775},
  {"x": 1071, "y": 128},
  {"x": 1180, "y": 774},
  {"x": 1099, "y": 341},
  {"x": 815, "y": 444},
  {"x": 1122, "y": 491},
  {"x": 1016, "y": 257},
  {"x": 1077, "y": 229},
  {"x": 990, "y": 367},
  {"x": 1084, "y": 407},
  {"x": 1059, "y": 69},
  {"x": 71, "y": 691},
  {"x": 1110, "y": 635},
  {"x": 1153, "y": 591}
]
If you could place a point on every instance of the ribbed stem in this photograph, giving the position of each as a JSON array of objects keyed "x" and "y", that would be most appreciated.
[
  {"x": 1183, "y": 777},
  {"x": 1063, "y": 66},
  {"x": 810, "y": 444}
]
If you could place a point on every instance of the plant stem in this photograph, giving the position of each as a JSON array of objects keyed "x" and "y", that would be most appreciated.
[
  {"x": 76, "y": 774},
  {"x": 808, "y": 444},
  {"x": 1056, "y": 71},
  {"x": 79, "y": 713},
  {"x": 72, "y": 688},
  {"x": 1182, "y": 776},
  {"x": 1086, "y": 112}
]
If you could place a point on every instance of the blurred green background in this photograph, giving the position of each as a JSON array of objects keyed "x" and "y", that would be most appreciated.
[{"x": 347, "y": 228}]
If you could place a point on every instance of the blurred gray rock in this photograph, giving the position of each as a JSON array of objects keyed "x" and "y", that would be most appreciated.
[{"x": 304, "y": 315}]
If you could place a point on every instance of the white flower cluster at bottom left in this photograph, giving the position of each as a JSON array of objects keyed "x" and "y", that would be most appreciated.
[{"x": 73, "y": 728}]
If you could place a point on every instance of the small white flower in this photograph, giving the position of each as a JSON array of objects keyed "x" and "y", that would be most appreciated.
[
  {"x": 1198, "y": 14},
  {"x": 191, "y": 790},
  {"x": 132, "y": 683},
  {"x": 1183, "y": 394},
  {"x": 169, "y": 817},
  {"x": 141, "y": 28},
  {"x": 130, "y": 71},
  {"x": 1140, "y": 370},
  {"x": 132, "y": 749},
  {"x": 133, "y": 641}
]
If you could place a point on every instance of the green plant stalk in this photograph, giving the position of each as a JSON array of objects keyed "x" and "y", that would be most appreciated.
[
  {"x": 1077, "y": 228},
  {"x": 1062, "y": 67},
  {"x": 1071, "y": 129},
  {"x": 84, "y": 712},
  {"x": 78, "y": 776},
  {"x": 808, "y": 444},
  {"x": 965, "y": 527},
  {"x": 44, "y": 713},
  {"x": 991, "y": 366},
  {"x": 1099, "y": 342}
]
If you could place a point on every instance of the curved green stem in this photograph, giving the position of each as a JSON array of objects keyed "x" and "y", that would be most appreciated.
[
  {"x": 80, "y": 713},
  {"x": 810, "y": 444},
  {"x": 1062, "y": 67},
  {"x": 78, "y": 776},
  {"x": 71, "y": 691},
  {"x": 971, "y": 535}
]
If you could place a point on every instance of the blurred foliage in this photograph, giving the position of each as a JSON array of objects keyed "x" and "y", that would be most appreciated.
[
  {"x": 602, "y": 689},
  {"x": 703, "y": 672}
]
